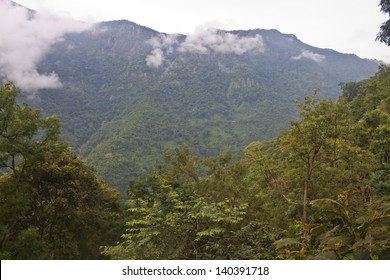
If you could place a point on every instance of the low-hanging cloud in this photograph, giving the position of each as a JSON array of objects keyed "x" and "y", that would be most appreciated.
[
  {"x": 155, "y": 58},
  {"x": 25, "y": 38},
  {"x": 163, "y": 44},
  {"x": 305, "y": 54},
  {"x": 203, "y": 41}
]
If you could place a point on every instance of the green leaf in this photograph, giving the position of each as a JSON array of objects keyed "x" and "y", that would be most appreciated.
[
  {"x": 328, "y": 255},
  {"x": 287, "y": 242},
  {"x": 208, "y": 232}
]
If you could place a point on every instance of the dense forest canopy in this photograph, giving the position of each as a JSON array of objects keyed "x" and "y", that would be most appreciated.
[
  {"x": 320, "y": 190},
  {"x": 53, "y": 206}
]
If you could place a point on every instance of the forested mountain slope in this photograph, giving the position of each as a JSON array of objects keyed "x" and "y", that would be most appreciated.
[{"x": 130, "y": 92}]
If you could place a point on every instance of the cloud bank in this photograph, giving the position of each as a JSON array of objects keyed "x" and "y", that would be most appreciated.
[
  {"x": 164, "y": 44},
  {"x": 25, "y": 38},
  {"x": 203, "y": 41},
  {"x": 309, "y": 55}
]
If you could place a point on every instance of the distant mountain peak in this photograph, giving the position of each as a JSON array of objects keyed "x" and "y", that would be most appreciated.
[{"x": 129, "y": 92}]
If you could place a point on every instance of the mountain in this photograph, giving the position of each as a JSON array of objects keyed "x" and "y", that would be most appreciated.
[{"x": 129, "y": 92}]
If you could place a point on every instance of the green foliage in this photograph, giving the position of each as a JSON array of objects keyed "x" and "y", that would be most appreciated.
[
  {"x": 354, "y": 230},
  {"x": 384, "y": 32},
  {"x": 24, "y": 136},
  {"x": 322, "y": 152},
  {"x": 195, "y": 210},
  {"x": 52, "y": 205},
  {"x": 335, "y": 156}
]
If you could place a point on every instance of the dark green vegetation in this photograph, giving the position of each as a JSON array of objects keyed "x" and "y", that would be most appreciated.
[
  {"x": 384, "y": 32},
  {"x": 320, "y": 190},
  {"x": 121, "y": 114},
  {"x": 52, "y": 205}
]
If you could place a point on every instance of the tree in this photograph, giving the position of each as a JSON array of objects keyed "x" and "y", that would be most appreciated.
[
  {"x": 384, "y": 32},
  {"x": 345, "y": 157},
  {"x": 321, "y": 158},
  {"x": 53, "y": 206},
  {"x": 24, "y": 136},
  {"x": 190, "y": 208}
]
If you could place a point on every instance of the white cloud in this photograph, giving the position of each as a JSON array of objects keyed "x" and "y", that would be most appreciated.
[
  {"x": 163, "y": 44},
  {"x": 25, "y": 38},
  {"x": 164, "y": 41},
  {"x": 206, "y": 40},
  {"x": 203, "y": 41},
  {"x": 155, "y": 58},
  {"x": 305, "y": 54}
]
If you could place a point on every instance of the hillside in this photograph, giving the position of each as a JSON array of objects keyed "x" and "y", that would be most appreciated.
[{"x": 129, "y": 92}]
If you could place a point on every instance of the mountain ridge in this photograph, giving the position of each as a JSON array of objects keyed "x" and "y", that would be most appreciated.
[{"x": 130, "y": 93}]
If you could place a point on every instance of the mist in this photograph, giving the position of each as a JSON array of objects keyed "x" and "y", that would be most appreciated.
[
  {"x": 163, "y": 44},
  {"x": 204, "y": 40},
  {"x": 25, "y": 39},
  {"x": 305, "y": 54}
]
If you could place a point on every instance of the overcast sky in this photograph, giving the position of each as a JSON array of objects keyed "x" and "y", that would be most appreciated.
[{"x": 348, "y": 26}]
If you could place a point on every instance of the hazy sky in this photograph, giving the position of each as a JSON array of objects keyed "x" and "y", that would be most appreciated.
[{"x": 348, "y": 26}]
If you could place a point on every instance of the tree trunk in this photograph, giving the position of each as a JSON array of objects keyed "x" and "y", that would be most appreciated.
[{"x": 304, "y": 215}]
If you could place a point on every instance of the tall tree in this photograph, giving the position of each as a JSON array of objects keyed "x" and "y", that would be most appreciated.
[
  {"x": 384, "y": 32},
  {"x": 53, "y": 206},
  {"x": 348, "y": 164},
  {"x": 24, "y": 136},
  {"x": 322, "y": 157}
]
